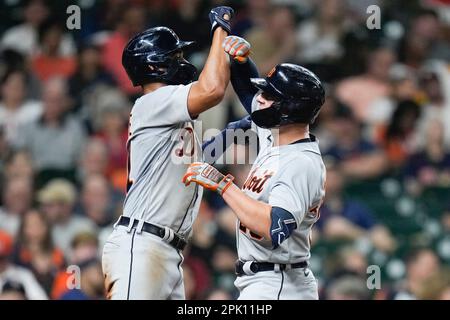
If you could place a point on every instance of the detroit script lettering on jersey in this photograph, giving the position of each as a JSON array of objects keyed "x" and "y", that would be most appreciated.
[{"x": 256, "y": 183}]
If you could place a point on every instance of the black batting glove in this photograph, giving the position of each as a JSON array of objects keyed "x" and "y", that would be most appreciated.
[{"x": 217, "y": 19}]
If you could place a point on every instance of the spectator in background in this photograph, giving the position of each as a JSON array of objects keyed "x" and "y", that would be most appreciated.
[
  {"x": 218, "y": 294},
  {"x": 212, "y": 254},
  {"x": 4, "y": 150},
  {"x": 274, "y": 41},
  {"x": 12, "y": 273},
  {"x": 158, "y": 10},
  {"x": 397, "y": 138},
  {"x": 91, "y": 283},
  {"x": 56, "y": 139},
  {"x": 346, "y": 218},
  {"x": 319, "y": 37},
  {"x": 445, "y": 219},
  {"x": 353, "y": 261},
  {"x": 89, "y": 75},
  {"x": 348, "y": 287},
  {"x": 253, "y": 15},
  {"x": 421, "y": 265},
  {"x": 434, "y": 79},
  {"x": 23, "y": 38},
  {"x": 35, "y": 249},
  {"x": 97, "y": 202},
  {"x": 84, "y": 247},
  {"x": 405, "y": 86},
  {"x": 10, "y": 61},
  {"x": 360, "y": 92},
  {"x": 18, "y": 164},
  {"x": 17, "y": 199},
  {"x": 445, "y": 293},
  {"x": 49, "y": 62},
  {"x": 223, "y": 263},
  {"x": 199, "y": 277},
  {"x": 359, "y": 158},
  {"x": 130, "y": 23},
  {"x": 189, "y": 283},
  {"x": 429, "y": 167},
  {"x": 57, "y": 201},
  {"x": 15, "y": 110},
  {"x": 13, "y": 291},
  {"x": 437, "y": 287},
  {"x": 324, "y": 125},
  {"x": 110, "y": 11},
  {"x": 93, "y": 160},
  {"x": 424, "y": 40},
  {"x": 188, "y": 21},
  {"x": 204, "y": 230},
  {"x": 112, "y": 129}
]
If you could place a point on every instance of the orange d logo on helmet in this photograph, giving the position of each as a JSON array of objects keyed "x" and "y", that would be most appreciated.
[{"x": 271, "y": 72}]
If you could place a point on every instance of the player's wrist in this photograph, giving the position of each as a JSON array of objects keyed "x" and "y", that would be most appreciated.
[
  {"x": 224, "y": 184},
  {"x": 219, "y": 33},
  {"x": 208, "y": 177}
]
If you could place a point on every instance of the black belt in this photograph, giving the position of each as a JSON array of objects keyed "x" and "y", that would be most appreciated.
[
  {"x": 177, "y": 242},
  {"x": 251, "y": 267}
]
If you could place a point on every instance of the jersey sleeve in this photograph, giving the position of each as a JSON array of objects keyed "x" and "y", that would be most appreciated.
[
  {"x": 164, "y": 107},
  {"x": 290, "y": 190}
]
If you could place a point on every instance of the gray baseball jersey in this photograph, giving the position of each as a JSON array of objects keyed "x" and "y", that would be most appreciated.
[
  {"x": 291, "y": 177},
  {"x": 161, "y": 145}
]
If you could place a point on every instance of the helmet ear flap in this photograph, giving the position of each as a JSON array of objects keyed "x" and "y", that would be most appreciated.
[
  {"x": 285, "y": 107},
  {"x": 181, "y": 72},
  {"x": 267, "y": 118},
  {"x": 157, "y": 70}
]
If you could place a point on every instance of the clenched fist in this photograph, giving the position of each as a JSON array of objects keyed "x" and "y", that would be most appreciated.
[{"x": 238, "y": 48}]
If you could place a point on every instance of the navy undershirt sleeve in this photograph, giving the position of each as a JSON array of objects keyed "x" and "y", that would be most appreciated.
[{"x": 240, "y": 80}]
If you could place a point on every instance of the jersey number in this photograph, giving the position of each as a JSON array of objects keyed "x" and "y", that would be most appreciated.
[{"x": 187, "y": 137}]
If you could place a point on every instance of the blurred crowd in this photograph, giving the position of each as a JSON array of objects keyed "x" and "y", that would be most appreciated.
[{"x": 383, "y": 131}]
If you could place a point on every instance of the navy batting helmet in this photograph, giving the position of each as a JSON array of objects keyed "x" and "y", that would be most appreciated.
[
  {"x": 154, "y": 56},
  {"x": 298, "y": 96}
]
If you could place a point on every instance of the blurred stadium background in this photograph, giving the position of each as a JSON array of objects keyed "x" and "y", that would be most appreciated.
[{"x": 64, "y": 105}]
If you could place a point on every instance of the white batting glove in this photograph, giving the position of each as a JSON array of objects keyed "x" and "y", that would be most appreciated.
[
  {"x": 238, "y": 48},
  {"x": 208, "y": 177}
]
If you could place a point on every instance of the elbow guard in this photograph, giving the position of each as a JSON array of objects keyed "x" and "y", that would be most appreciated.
[{"x": 282, "y": 225}]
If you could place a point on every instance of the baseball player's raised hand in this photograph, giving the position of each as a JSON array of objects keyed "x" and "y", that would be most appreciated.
[
  {"x": 208, "y": 177},
  {"x": 221, "y": 17},
  {"x": 238, "y": 48}
]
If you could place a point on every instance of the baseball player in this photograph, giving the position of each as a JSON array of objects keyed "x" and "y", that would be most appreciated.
[
  {"x": 280, "y": 200},
  {"x": 142, "y": 257}
]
